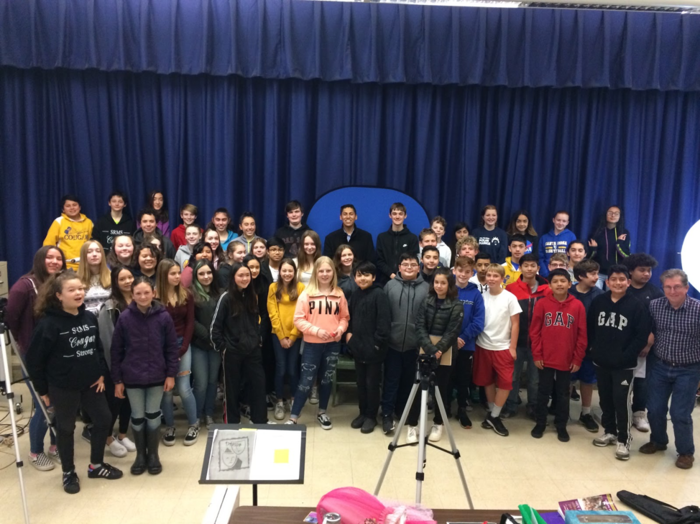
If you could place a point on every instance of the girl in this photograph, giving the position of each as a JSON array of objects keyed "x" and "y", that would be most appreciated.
[
  {"x": 20, "y": 319},
  {"x": 199, "y": 252},
  {"x": 461, "y": 230},
  {"x": 259, "y": 249},
  {"x": 281, "y": 303},
  {"x": 308, "y": 254},
  {"x": 492, "y": 239},
  {"x": 521, "y": 224},
  {"x": 234, "y": 255},
  {"x": 147, "y": 258},
  {"x": 576, "y": 252},
  {"x": 211, "y": 237},
  {"x": 438, "y": 323},
  {"x": 610, "y": 243},
  {"x": 94, "y": 275},
  {"x": 144, "y": 363},
  {"x": 66, "y": 364},
  {"x": 321, "y": 314},
  {"x": 344, "y": 260},
  {"x": 122, "y": 252},
  {"x": 206, "y": 361},
  {"x": 179, "y": 303},
  {"x": 156, "y": 200},
  {"x": 70, "y": 230},
  {"x": 235, "y": 332}
]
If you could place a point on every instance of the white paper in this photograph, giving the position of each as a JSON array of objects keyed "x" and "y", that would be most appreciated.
[{"x": 277, "y": 455}]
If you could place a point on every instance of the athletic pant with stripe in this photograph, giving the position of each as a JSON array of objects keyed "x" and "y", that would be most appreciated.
[{"x": 615, "y": 390}]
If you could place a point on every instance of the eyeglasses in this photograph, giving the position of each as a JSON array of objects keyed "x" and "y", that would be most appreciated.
[
  {"x": 614, "y": 213},
  {"x": 673, "y": 288},
  {"x": 409, "y": 265}
]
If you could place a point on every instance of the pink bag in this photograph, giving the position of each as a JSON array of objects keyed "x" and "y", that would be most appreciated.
[{"x": 356, "y": 506}]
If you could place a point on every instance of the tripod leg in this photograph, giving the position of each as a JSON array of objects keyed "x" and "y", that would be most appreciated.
[{"x": 422, "y": 439}]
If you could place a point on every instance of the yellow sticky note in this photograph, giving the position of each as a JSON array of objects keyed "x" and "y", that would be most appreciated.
[{"x": 281, "y": 456}]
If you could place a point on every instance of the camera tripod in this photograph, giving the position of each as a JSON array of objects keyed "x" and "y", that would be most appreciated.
[{"x": 425, "y": 377}]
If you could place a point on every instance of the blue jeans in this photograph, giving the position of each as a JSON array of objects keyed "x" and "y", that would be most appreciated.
[
  {"x": 145, "y": 407},
  {"x": 184, "y": 389},
  {"x": 523, "y": 355},
  {"x": 679, "y": 384},
  {"x": 399, "y": 373},
  {"x": 318, "y": 360},
  {"x": 38, "y": 427},
  {"x": 286, "y": 363},
  {"x": 205, "y": 372}
]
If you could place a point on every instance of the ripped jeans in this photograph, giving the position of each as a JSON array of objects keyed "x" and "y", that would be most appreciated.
[
  {"x": 318, "y": 360},
  {"x": 184, "y": 389}
]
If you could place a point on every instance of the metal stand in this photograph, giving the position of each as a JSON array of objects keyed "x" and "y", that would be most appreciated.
[
  {"x": 425, "y": 377},
  {"x": 10, "y": 396}
]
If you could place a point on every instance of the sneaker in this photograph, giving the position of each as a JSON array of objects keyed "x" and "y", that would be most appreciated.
[
  {"x": 605, "y": 440},
  {"x": 71, "y": 483},
  {"x": 314, "y": 395},
  {"x": 436, "y": 433},
  {"x": 41, "y": 462},
  {"x": 651, "y": 447},
  {"x": 290, "y": 422},
  {"x": 464, "y": 419},
  {"x": 87, "y": 433},
  {"x": 506, "y": 413},
  {"x": 105, "y": 471},
  {"x": 368, "y": 425},
  {"x": 208, "y": 421},
  {"x": 169, "y": 437},
  {"x": 324, "y": 420},
  {"x": 116, "y": 449},
  {"x": 538, "y": 430},
  {"x": 53, "y": 454},
  {"x": 412, "y": 435},
  {"x": 469, "y": 406},
  {"x": 622, "y": 453},
  {"x": 563, "y": 435},
  {"x": 388, "y": 425},
  {"x": 279, "y": 411},
  {"x": 496, "y": 424},
  {"x": 358, "y": 421},
  {"x": 192, "y": 435},
  {"x": 245, "y": 412},
  {"x": 128, "y": 444},
  {"x": 575, "y": 395},
  {"x": 270, "y": 402},
  {"x": 589, "y": 423},
  {"x": 685, "y": 461},
  {"x": 639, "y": 421}
]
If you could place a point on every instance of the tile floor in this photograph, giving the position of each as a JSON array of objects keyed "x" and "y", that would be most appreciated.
[{"x": 501, "y": 472}]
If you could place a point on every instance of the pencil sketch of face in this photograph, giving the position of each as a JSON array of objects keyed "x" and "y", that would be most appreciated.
[
  {"x": 233, "y": 450},
  {"x": 239, "y": 446}
]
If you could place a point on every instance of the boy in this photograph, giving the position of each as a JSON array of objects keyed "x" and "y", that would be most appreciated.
[
  {"x": 367, "y": 339},
  {"x": 556, "y": 241},
  {"x": 467, "y": 247},
  {"x": 427, "y": 237},
  {"x": 528, "y": 290},
  {"x": 586, "y": 274},
  {"x": 495, "y": 347},
  {"x": 557, "y": 261},
  {"x": 222, "y": 223},
  {"x": 70, "y": 231},
  {"x": 618, "y": 331},
  {"x": 188, "y": 214},
  {"x": 406, "y": 292},
  {"x": 430, "y": 261},
  {"x": 291, "y": 233},
  {"x": 149, "y": 226},
  {"x": 472, "y": 324},
  {"x": 246, "y": 224},
  {"x": 358, "y": 239},
  {"x": 193, "y": 235},
  {"x": 275, "y": 253},
  {"x": 517, "y": 246},
  {"x": 392, "y": 244},
  {"x": 559, "y": 340},
  {"x": 482, "y": 263},
  {"x": 438, "y": 225},
  {"x": 115, "y": 223}
]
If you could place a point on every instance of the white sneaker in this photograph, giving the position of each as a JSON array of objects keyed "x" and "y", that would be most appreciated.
[
  {"x": 605, "y": 440},
  {"x": 436, "y": 433},
  {"x": 128, "y": 444},
  {"x": 639, "y": 421},
  {"x": 279, "y": 410},
  {"x": 41, "y": 462},
  {"x": 412, "y": 436},
  {"x": 622, "y": 453},
  {"x": 314, "y": 395},
  {"x": 116, "y": 449}
]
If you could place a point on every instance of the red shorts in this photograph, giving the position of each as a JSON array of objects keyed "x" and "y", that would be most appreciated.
[{"x": 493, "y": 367}]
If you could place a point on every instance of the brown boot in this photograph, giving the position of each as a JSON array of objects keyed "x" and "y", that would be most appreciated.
[
  {"x": 651, "y": 447},
  {"x": 685, "y": 461}
]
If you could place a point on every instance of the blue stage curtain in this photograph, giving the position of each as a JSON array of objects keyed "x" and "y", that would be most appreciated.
[
  {"x": 357, "y": 42},
  {"x": 255, "y": 143}
]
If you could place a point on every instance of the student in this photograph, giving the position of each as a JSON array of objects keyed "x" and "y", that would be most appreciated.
[
  {"x": 147, "y": 259},
  {"x": 618, "y": 330},
  {"x": 235, "y": 332},
  {"x": 406, "y": 293},
  {"x": 472, "y": 324},
  {"x": 344, "y": 261},
  {"x": 610, "y": 243},
  {"x": 517, "y": 244},
  {"x": 235, "y": 253},
  {"x": 576, "y": 253},
  {"x": 206, "y": 360},
  {"x": 521, "y": 224},
  {"x": 122, "y": 252},
  {"x": 586, "y": 274},
  {"x": 482, "y": 263},
  {"x": 200, "y": 251},
  {"x": 211, "y": 238},
  {"x": 275, "y": 254},
  {"x": 148, "y": 225},
  {"x": 496, "y": 347},
  {"x": 367, "y": 339},
  {"x": 20, "y": 319},
  {"x": 94, "y": 275},
  {"x": 321, "y": 315},
  {"x": 427, "y": 237},
  {"x": 556, "y": 241},
  {"x": 144, "y": 364},
  {"x": 281, "y": 303},
  {"x": 188, "y": 214},
  {"x": 467, "y": 247},
  {"x": 291, "y": 233},
  {"x": 307, "y": 256},
  {"x": 557, "y": 261},
  {"x": 156, "y": 201},
  {"x": 430, "y": 262},
  {"x": 221, "y": 223},
  {"x": 460, "y": 230},
  {"x": 66, "y": 363},
  {"x": 70, "y": 231},
  {"x": 492, "y": 239},
  {"x": 392, "y": 244},
  {"x": 439, "y": 225},
  {"x": 193, "y": 236},
  {"x": 246, "y": 225},
  {"x": 259, "y": 249},
  {"x": 179, "y": 304},
  {"x": 559, "y": 341},
  {"x": 528, "y": 289},
  {"x": 359, "y": 240},
  {"x": 115, "y": 223}
]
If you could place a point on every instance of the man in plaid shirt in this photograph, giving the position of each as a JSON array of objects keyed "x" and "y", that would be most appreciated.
[{"x": 674, "y": 366}]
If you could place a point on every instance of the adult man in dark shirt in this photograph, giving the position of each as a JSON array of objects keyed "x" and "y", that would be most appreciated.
[{"x": 358, "y": 239}]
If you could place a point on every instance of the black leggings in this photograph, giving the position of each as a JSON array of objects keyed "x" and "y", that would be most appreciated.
[{"x": 120, "y": 407}]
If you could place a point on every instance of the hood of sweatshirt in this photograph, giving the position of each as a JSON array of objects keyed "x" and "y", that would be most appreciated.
[
  {"x": 404, "y": 231},
  {"x": 553, "y": 302},
  {"x": 82, "y": 218}
]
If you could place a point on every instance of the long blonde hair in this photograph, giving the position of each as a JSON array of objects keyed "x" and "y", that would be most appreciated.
[
  {"x": 163, "y": 286},
  {"x": 84, "y": 273},
  {"x": 304, "y": 261},
  {"x": 312, "y": 288}
]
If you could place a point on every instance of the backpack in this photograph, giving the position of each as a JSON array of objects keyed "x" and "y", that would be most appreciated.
[{"x": 660, "y": 511}]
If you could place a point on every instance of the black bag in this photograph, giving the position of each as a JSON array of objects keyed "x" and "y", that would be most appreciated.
[{"x": 660, "y": 511}]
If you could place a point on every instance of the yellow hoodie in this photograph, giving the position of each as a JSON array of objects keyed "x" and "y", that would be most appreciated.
[
  {"x": 512, "y": 274},
  {"x": 69, "y": 235},
  {"x": 282, "y": 313}
]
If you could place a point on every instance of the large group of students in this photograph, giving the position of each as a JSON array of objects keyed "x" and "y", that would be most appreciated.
[{"x": 114, "y": 318}]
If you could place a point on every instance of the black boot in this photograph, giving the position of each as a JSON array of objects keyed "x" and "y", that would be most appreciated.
[
  {"x": 152, "y": 441},
  {"x": 139, "y": 436}
]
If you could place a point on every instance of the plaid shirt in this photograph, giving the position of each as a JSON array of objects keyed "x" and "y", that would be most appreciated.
[{"x": 676, "y": 331}]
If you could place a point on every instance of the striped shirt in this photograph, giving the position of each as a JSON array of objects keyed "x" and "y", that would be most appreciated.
[{"x": 676, "y": 331}]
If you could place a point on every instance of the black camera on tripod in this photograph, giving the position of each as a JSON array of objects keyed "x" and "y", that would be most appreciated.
[{"x": 427, "y": 364}]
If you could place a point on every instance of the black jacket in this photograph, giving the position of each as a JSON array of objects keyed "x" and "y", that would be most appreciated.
[
  {"x": 390, "y": 246},
  {"x": 203, "y": 318},
  {"x": 106, "y": 229},
  {"x": 66, "y": 351},
  {"x": 360, "y": 241},
  {"x": 168, "y": 248},
  {"x": 348, "y": 285},
  {"x": 610, "y": 249},
  {"x": 370, "y": 324},
  {"x": 444, "y": 321},
  {"x": 239, "y": 334},
  {"x": 291, "y": 238}
]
